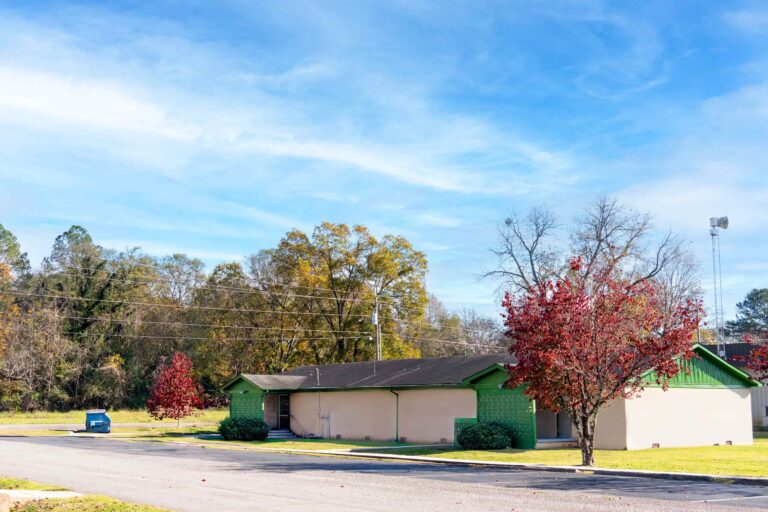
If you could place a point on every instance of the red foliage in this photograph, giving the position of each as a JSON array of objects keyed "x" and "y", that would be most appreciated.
[
  {"x": 174, "y": 393},
  {"x": 757, "y": 361},
  {"x": 583, "y": 342}
]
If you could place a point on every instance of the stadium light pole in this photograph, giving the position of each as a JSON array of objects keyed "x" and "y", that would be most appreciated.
[{"x": 715, "y": 224}]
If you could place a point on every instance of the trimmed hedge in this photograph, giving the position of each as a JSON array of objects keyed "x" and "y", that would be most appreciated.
[
  {"x": 243, "y": 429},
  {"x": 486, "y": 436}
]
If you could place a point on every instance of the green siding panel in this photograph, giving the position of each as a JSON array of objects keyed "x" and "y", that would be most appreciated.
[
  {"x": 507, "y": 406},
  {"x": 702, "y": 373},
  {"x": 247, "y": 405},
  {"x": 246, "y": 400}
]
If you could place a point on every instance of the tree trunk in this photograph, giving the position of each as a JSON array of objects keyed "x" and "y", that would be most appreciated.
[{"x": 585, "y": 428}]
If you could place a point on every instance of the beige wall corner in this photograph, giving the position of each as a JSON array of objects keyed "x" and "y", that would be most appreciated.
[{"x": 611, "y": 427}]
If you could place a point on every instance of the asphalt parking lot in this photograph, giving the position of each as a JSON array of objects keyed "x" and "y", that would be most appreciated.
[{"x": 191, "y": 478}]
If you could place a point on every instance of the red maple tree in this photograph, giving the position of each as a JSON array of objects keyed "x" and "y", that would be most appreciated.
[
  {"x": 582, "y": 342},
  {"x": 757, "y": 360},
  {"x": 174, "y": 393}
]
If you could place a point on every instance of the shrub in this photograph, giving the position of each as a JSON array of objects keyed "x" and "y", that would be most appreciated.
[
  {"x": 486, "y": 436},
  {"x": 243, "y": 429}
]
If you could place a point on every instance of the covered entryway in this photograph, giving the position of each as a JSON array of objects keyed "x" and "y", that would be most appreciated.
[{"x": 554, "y": 430}]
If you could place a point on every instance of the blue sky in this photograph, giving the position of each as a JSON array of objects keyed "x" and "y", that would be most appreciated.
[{"x": 213, "y": 128}]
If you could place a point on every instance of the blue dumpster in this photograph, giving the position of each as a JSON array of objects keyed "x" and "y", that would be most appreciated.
[{"x": 97, "y": 420}]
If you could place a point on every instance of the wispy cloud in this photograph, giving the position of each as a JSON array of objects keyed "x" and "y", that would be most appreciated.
[
  {"x": 438, "y": 219},
  {"x": 750, "y": 21},
  {"x": 31, "y": 96},
  {"x": 80, "y": 96}
]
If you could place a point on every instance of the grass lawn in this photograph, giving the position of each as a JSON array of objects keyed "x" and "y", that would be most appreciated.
[
  {"x": 120, "y": 416},
  {"x": 84, "y": 504},
  {"x": 715, "y": 460},
  {"x": 26, "y": 485}
]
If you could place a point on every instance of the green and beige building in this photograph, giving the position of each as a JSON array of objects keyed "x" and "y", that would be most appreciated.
[{"x": 427, "y": 400}]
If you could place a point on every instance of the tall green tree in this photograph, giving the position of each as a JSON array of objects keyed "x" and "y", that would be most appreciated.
[
  {"x": 347, "y": 269},
  {"x": 751, "y": 313},
  {"x": 11, "y": 255}
]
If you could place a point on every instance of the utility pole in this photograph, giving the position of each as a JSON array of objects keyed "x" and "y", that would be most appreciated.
[{"x": 377, "y": 326}]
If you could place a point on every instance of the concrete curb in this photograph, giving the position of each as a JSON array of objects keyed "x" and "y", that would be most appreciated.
[
  {"x": 742, "y": 480},
  {"x": 17, "y": 495}
]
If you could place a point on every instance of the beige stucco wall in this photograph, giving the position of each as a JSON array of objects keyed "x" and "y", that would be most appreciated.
[
  {"x": 426, "y": 415},
  {"x": 689, "y": 417},
  {"x": 349, "y": 414},
  {"x": 611, "y": 427},
  {"x": 270, "y": 410}
]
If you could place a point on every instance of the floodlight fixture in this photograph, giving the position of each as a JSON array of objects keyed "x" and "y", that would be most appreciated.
[{"x": 718, "y": 222}]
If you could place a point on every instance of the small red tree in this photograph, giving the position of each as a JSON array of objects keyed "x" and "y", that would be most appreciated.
[
  {"x": 174, "y": 394},
  {"x": 582, "y": 342}
]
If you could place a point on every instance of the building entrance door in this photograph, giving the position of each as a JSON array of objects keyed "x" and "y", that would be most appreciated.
[{"x": 283, "y": 412}]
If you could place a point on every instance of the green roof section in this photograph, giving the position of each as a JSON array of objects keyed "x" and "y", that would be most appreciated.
[
  {"x": 473, "y": 379},
  {"x": 708, "y": 370}
]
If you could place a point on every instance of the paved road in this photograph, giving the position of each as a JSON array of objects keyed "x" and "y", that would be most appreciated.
[{"x": 191, "y": 478}]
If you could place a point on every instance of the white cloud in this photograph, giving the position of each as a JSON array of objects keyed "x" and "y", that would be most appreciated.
[
  {"x": 750, "y": 21},
  {"x": 31, "y": 95},
  {"x": 166, "y": 95},
  {"x": 686, "y": 202},
  {"x": 438, "y": 219}
]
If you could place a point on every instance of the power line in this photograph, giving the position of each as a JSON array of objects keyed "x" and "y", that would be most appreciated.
[
  {"x": 213, "y": 308},
  {"x": 81, "y": 270},
  {"x": 159, "y": 337},
  {"x": 176, "y": 306},
  {"x": 202, "y": 338},
  {"x": 182, "y": 324}
]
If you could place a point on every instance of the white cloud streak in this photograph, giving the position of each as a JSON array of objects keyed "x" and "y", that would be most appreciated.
[{"x": 47, "y": 94}]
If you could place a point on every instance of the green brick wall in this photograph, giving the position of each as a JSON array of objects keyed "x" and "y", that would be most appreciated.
[
  {"x": 246, "y": 401},
  {"x": 507, "y": 406}
]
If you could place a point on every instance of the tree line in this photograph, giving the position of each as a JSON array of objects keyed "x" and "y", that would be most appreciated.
[{"x": 89, "y": 326}]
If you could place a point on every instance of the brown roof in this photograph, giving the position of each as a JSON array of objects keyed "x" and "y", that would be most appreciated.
[
  {"x": 267, "y": 382},
  {"x": 430, "y": 371}
]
